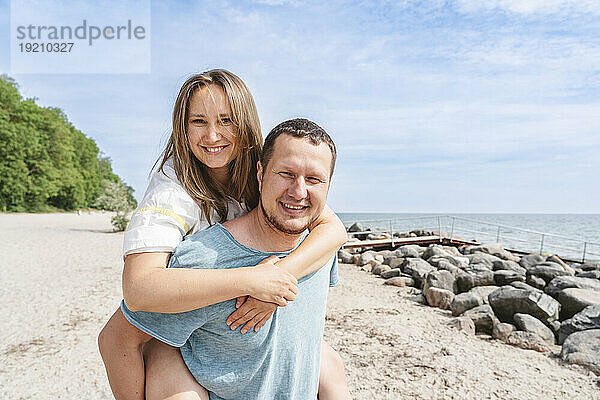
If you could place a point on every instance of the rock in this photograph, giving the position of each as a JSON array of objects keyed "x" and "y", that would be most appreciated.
[
  {"x": 494, "y": 249},
  {"x": 395, "y": 262},
  {"x": 531, "y": 260},
  {"x": 400, "y": 281},
  {"x": 356, "y": 227},
  {"x": 528, "y": 341},
  {"x": 435, "y": 250},
  {"x": 528, "y": 323},
  {"x": 417, "y": 269},
  {"x": 391, "y": 273},
  {"x": 446, "y": 265},
  {"x": 563, "y": 282},
  {"x": 588, "y": 318},
  {"x": 365, "y": 257},
  {"x": 377, "y": 236},
  {"x": 483, "y": 317},
  {"x": 408, "y": 251},
  {"x": 377, "y": 270},
  {"x": 591, "y": 266},
  {"x": 583, "y": 348},
  {"x": 464, "y": 324},
  {"x": 536, "y": 282},
  {"x": 344, "y": 257},
  {"x": 483, "y": 258},
  {"x": 367, "y": 267},
  {"x": 508, "y": 300},
  {"x": 440, "y": 279},
  {"x": 471, "y": 278},
  {"x": 556, "y": 259},
  {"x": 547, "y": 271},
  {"x": 503, "y": 277},
  {"x": 502, "y": 330},
  {"x": 457, "y": 261},
  {"x": 483, "y": 292},
  {"x": 589, "y": 274},
  {"x": 421, "y": 232},
  {"x": 574, "y": 300},
  {"x": 355, "y": 258},
  {"x": 522, "y": 285},
  {"x": 379, "y": 258},
  {"x": 439, "y": 297},
  {"x": 465, "y": 301},
  {"x": 505, "y": 265}
]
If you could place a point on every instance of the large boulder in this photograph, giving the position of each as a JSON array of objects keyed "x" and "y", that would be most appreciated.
[
  {"x": 563, "y": 282},
  {"x": 589, "y": 274},
  {"x": 464, "y": 324},
  {"x": 528, "y": 341},
  {"x": 583, "y": 348},
  {"x": 503, "y": 277},
  {"x": 548, "y": 271},
  {"x": 483, "y": 317},
  {"x": 574, "y": 300},
  {"x": 418, "y": 269},
  {"x": 508, "y": 301},
  {"x": 471, "y": 278},
  {"x": 483, "y": 292},
  {"x": 591, "y": 266},
  {"x": 494, "y": 249},
  {"x": 531, "y": 260},
  {"x": 588, "y": 318},
  {"x": 390, "y": 273},
  {"x": 440, "y": 279},
  {"x": 457, "y": 261},
  {"x": 436, "y": 250},
  {"x": 344, "y": 257},
  {"x": 535, "y": 281},
  {"x": 409, "y": 251},
  {"x": 365, "y": 257},
  {"x": 437, "y": 297},
  {"x": 528, "y": 323},
  {"x": 502, "y": 330},
  {"x": 464, "y": 302},
  {"x": 505, "y": 265},
  {"x": 379, "y": 269},
  {"x": 482, "y": 258}
]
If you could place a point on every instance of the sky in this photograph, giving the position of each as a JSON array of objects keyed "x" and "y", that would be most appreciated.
[{"x": 454, "y": 106}]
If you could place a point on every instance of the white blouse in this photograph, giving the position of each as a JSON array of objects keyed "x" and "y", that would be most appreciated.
[{"x": 166, "y": 214}]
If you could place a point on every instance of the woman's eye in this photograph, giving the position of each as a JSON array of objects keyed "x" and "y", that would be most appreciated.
[
  {"x": 226, "y": 121},
  {"x": 198, "y": 121}
]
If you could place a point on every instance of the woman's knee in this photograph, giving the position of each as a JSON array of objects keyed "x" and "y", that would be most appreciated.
[{"x": 118, "y": 333}]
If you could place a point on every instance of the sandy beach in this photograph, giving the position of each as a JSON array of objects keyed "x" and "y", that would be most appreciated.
[{"x": 61, "y": 280}]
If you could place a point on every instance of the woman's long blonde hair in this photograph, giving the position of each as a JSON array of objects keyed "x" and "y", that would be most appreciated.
[{"x": 194, "y": 175}]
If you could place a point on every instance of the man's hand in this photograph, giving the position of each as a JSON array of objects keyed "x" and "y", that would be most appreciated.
[
  {"x": 252, "y": 312},
  {"x": 270, "y": 283}
]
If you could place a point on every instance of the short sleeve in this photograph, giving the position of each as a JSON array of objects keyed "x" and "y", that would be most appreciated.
[
  {"x": 173, "y": 329},
  {"x": 165, "y": 215},
  {"x": 333, "y": 273}
]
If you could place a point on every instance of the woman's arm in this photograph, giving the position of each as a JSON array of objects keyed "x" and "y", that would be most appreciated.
[
  {"x": 327, "y": 235},
  {"x": 149, "y": 286}
]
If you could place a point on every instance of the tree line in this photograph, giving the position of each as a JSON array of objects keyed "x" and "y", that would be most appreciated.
[{"x": 47, "y": 164}]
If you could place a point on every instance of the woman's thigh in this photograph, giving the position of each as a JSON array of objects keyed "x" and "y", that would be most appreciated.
[{"x": 167, "y": 376}]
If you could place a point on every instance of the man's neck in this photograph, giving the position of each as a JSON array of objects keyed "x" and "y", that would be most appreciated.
[{"x": 254, "y": 231}]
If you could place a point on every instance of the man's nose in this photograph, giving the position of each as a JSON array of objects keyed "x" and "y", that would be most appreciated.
[{"x": 298, "y": 189}]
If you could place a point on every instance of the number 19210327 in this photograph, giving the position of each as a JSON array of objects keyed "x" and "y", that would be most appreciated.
[{"x": 46, "y": 47}]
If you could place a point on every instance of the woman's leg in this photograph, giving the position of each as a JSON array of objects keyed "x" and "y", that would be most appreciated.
[
  {"x": 332, "y": 377},
  {"x": 167, "y": 376},
  {"x": 120, "y": 345}
]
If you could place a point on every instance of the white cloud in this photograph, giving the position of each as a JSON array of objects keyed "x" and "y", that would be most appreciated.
[{"x": 530, "y": 7}]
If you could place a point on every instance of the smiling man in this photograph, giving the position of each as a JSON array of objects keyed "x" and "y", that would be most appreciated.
[{"x": 281, "y": 360}]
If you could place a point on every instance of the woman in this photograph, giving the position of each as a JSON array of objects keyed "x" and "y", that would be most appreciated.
[{"x": 207, "y": 174}]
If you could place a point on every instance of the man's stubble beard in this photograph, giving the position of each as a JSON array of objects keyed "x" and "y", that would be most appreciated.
[{"x": 271, "y": 220}]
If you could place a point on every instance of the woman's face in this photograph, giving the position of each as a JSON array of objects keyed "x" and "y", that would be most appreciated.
[{"x": 211, "y": 132}]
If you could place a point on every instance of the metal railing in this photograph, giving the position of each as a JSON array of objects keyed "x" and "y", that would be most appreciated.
[{"x": 535, "y": 242}]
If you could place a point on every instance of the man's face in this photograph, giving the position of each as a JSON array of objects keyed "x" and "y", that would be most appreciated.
[{"x": 294, "y": 183}]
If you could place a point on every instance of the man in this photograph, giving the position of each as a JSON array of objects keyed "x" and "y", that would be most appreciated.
[{"x": 281, "y": 360}]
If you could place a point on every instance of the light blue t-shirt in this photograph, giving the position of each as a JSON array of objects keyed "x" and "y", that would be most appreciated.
[{"x": 280, "y": 361}]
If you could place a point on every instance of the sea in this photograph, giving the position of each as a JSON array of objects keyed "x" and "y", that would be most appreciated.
[{"x": 572, "y": 236}]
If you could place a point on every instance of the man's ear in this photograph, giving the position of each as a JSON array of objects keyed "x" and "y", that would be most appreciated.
[{"x": 259, "y": 175}]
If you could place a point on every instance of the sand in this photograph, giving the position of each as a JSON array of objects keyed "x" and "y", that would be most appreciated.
[{"x": 61, "y": 282}]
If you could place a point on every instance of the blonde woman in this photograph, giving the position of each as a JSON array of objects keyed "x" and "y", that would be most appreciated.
[{"x": 207, "y": 174}]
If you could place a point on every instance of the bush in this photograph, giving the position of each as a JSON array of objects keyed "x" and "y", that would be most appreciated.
[
  {"x": 119, "y": 222},
  {"x": 116, "y": 196}
]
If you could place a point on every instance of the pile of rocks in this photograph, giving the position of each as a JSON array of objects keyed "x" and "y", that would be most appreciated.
[{"x": 532, "y": 302}]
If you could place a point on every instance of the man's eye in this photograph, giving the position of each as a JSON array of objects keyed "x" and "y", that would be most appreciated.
[
  {"x": 286, "y": 174},
  {"x": 313, "y": 180}
]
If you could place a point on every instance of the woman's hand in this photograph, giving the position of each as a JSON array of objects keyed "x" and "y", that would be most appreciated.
[
  {"x": 271, "y": 284},
  {"x": 252, "y": 312}
]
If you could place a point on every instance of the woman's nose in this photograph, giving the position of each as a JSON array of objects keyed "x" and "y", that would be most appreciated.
[{"x": 212, "y": 133}]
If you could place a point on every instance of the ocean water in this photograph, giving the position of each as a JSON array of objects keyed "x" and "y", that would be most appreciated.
[{"x": 567, "y": 235}]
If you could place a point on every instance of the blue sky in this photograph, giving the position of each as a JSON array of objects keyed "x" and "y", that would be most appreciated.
[{"x": 435, "y": 106}]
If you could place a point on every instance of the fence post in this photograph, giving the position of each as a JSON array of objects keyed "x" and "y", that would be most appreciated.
[
  {"x": 584, "y": 248},
  {"x": 452, "y": 229},
  {"x": 542, "y": 244},
  {"x": 498, "y": 235},
  {"x": 392, "y": 233}
]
